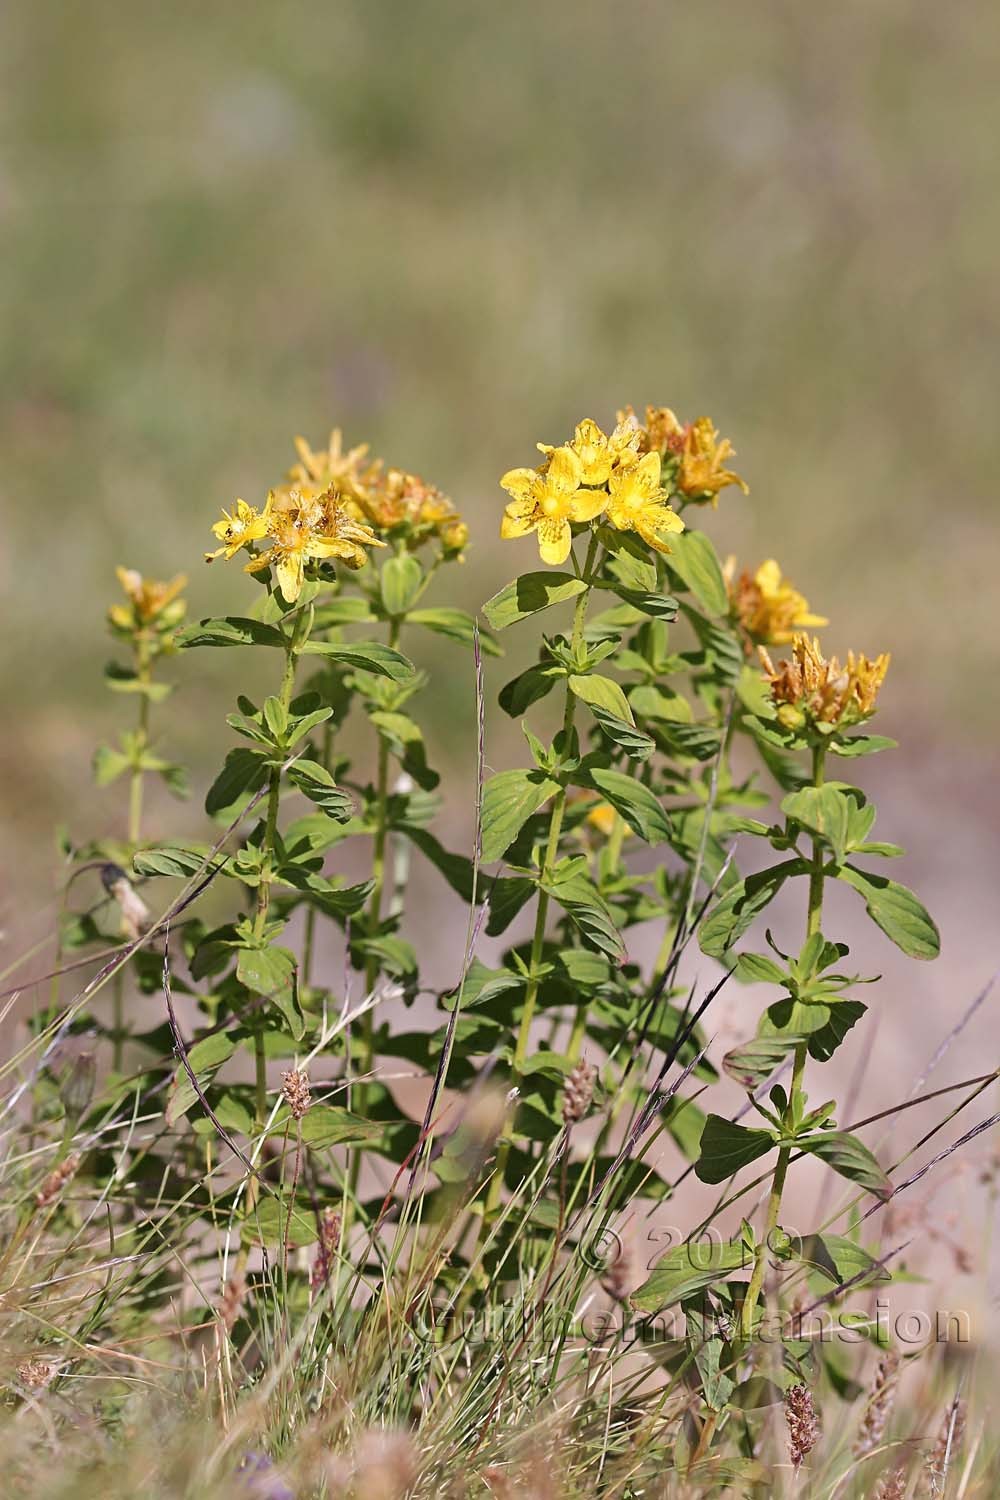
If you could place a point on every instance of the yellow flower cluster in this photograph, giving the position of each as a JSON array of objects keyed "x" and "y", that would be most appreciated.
[
  {"x": 767, "y": 606},
  {"x": 694, "y": 457},
  {"x": 810, "y": 687},
  {"x": 596, "y": 474},
  {"x": 331, "y": 505},
  {"x": 150, "y": 603},
  {"x": 388, "y": 499},
  {"x": 298, "y": 526}
]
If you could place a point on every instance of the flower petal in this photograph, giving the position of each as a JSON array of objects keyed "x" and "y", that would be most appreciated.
[
  {"x": 554, "y": 541},
  {"x": 288, "y": 567},
  {"x": 521, "y": 483},
  {"x": 516, "y": 524},
  {"x": 564, "y": 471},
  {"x": 586, "y": 504}
]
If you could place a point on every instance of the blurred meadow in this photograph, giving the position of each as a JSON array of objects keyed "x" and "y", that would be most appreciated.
[{"x": 453, "y": 229}]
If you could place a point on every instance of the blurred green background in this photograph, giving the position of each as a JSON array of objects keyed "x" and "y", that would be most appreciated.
[{"x": 453, "y": 229}]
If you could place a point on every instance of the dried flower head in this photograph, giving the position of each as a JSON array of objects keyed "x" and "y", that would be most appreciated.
[
  {"x": 150, "y": 602},
  {"x": 808, "y": 686},
  {"x": 296, "y": 1092},
  {"x": 53, "y": 1184},
  {"x": 879, "y": 1406},
  {"x": 767, "y": 606},
  {"x": 638, "y": 502},
  {"x": 33, "y": 1373},
  {"x": 702, "y": 471},
  {"x": 892, "y": 1486},
  {"x": 350, "y": 471},
  {"x": 803, "y": 1423},
  {"x": 579, "y": 1092},
  {"x": 330, "y": 1226},
  {"x": 945, "y": 1450}
]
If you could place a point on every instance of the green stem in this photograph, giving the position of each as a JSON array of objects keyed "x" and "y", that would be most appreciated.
[
  {"x": 264, "y": 885},
  {"x": 380, "y": 841},
  {"x": 813, "y": 918},
  {"x": 541, "y": 915},
  {"x": 309, "y": 937},
  {"x": 136, "y": 781},
  {"x": 142, "y": 668}
]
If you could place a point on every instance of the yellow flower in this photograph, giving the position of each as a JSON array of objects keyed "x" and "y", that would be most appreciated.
[
  {"x": 148, "y": 600},
  {"x": 810, "y": 686},
  {"x": 454, "y": 536},
  {"x": 769, "y": 609},
  {"x": 638, "y": 502},
  {"x": 702, "y": 472},
  {"x": 598, "y": 453},
  {"x": 239, "y": 528},
  {"x": 303, "y": 527},
  {"x": 547, "y": 501},
  {"x": 331, "y": 465}
]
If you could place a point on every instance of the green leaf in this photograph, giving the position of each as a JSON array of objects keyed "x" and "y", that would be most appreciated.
[
  {"x": 824, "y": 811},
  {"x": 244, "y": 772},
  {"x": 824, "y": 1041},
  {"x": 517, "y": 696},
  {"x": 277, "y": 1219},
  {"x": 342, "y": 611},
  {"x": 529, "y": 594},
  {"x": 636, "y": 803},
  {"x": 841, "y": 1260},
  {"x": 694, "y": 560},
  {"x": 316, "y": 783},
  {"x": 231, "y": 631},
  {"x": 400, "y": 582},
  {"x": 509, "y": 799},
  {"x": 602, "y": 693},
  {"x": 697, "y": 740},
  {"x": 404, "y": 737},
  {"x": 742, "y": 904},
  {"x": 850, "y": 1157},
  {"x": 727, "y": 1147},
  {"x": 861, "y": 744},
  {"x": 324, "y": 1125},
  {"x": 624, "y": 734},
  {"x": 659, "y": 606},
  {"x": 456, "y": 868},
  {"x": 587, "y": 910},
  {"x": 109, "y": 764},
  {"x": 757, "y": 968},
  {"x": 367, "y": 656},
  {"x": 686, "y": 1269},
  {"x": 122, "y": 679},
  {"x": 204, "y": 1058},
  {"x": 270, "y": 972},
  {"x": 752, "y": 1063},
  {"x": 897, "y": 911},
  {"x": 171, "y": 859},
  {"x": 457, "y": 625}
]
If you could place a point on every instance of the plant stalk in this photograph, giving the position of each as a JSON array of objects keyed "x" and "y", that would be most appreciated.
[{"x": 814, "y": 914}]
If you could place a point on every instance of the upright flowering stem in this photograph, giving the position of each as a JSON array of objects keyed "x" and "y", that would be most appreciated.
[
  {"x": 142, "y": 668},
  {"x": 266, "y": 878},
  {"x": 813, "y": 917},
  {"x": 549, "y": 859},
  {"x": 143, "y": 665}
]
